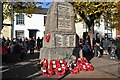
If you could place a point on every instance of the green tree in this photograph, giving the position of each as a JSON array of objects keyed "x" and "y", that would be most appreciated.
[
  {"x": 20, "y": 7},
  {"x": 90, "y": 11},
  {"x": 8, "y": 8}
]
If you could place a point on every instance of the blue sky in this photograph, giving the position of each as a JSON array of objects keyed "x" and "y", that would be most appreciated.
[
  {"x": 46, "y": 4},
  {"x": 44, "y": 0}
]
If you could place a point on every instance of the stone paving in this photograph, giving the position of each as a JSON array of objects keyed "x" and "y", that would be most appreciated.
[{"x": 104, "y": 68}]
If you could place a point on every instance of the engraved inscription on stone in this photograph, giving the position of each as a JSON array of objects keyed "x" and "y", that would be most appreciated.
[
  {"x": 71, "y": 40},
  {"x": 64, "y": 40},
  {"x": 64, "y": 19},
  {"x": 58, "y": 42}
]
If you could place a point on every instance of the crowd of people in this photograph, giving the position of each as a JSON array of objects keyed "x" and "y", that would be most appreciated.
[
  {"x": 16, "y": 49},
  {"x": 108, "y": 46},
  {"x": 99, "y": 47}
]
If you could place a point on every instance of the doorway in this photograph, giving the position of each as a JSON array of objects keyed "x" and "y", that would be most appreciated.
[{"x": 32, "y": 33}]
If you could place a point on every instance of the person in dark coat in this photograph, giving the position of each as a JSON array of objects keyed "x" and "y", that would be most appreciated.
[
  {"x": 31, "y": 45},
  {"x": 38, "y": 43},
  {"x": 41, "y": 42},
  {"x": 87, "y": 37},
  {"x": 117, "y": 52},
  {"x": 26, "y": 45},
  {"x": 15, "y": 50},
  {"x": 87, "y": 52},
  {"x": 97, "y": 46},
  {"x": 22, "y": 51}
]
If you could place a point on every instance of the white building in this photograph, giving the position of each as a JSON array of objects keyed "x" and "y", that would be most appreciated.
[
  {"x": 100, "y": 26},
  {"x": 29, "y": 27},
  {"x": 35, "y": 26}
]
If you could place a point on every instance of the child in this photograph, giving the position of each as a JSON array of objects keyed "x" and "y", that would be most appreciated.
[{"x": 112, "y": 51}]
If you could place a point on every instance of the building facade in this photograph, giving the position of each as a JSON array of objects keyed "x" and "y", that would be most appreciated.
[
  {"x": 5, "y": 23},
  {"x": 100, "y": 26},
  {"x": 26, "y": 27}
]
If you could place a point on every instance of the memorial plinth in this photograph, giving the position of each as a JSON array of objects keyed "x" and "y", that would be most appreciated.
[{"x": 61, "y": 27}]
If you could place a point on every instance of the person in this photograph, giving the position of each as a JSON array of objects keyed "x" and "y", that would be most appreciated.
[
  {"x": 26, "y": 45},
  {"x": 80, "y": 47},
  {"x": 87, "y": 52},
  {"x": 112, "y": 50},
  {"x": 41, "y": 42},
  {"x": 105, "y": 46},
  {"x": 3, "y": 39},
  {"x": 109, "y": 46},
  {"x": 81, "y": 43},
  {"x": 4, "y": 52},
  {"x": 31, "y": 45},
  {"x": 87, "y": 37},
  {"x": 117, "y": 52},
  {"x": 8, "y": 40},
  {"x": 15, "y": 49},
  {"x": 97, "y": 46},
  {"x": 38, "y": 43},
  {"x": 22, "y": 50}
]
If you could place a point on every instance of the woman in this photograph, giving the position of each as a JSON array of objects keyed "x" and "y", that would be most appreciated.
[{"x": 87, "y": 52}]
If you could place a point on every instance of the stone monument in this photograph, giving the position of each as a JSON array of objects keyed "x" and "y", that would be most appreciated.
[{"x": 61, "y": 28}]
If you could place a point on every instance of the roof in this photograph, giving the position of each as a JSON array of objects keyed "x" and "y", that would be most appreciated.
[{"x": 43, "y": 11}]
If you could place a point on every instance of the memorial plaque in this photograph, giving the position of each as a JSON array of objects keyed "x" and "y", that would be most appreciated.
[
  {"x": 71, "y": 40},
  {"x": 64, "y": 20},
  {"x": 65, "y": 41},
  {"x": 58, "y": 40}
]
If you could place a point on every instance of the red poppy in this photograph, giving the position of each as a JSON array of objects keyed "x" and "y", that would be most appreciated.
[{"x": 47, "y": 37}]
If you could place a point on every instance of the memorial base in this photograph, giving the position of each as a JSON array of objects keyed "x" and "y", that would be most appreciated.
[{"x": 59, "y": 53}]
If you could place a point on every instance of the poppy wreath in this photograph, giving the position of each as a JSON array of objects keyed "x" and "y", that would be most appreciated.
[
  {"x": 78, "y": 62},
  {"x": 63, "y": 64},
  {"x": 89, "y": 67},
  {"x": 59, "y": 67},
  {"x": 65, "y": 67},
  {"x": 74, "y": 69},
  {"x": 62, "y": 61},
  {"x": 47, "y": 37},
  {"x": 84, "y": 60},
  {"x": 54, "y": 64},
  {"x": 60, "y": 71},
  {"x": 84, "y": 67},
  {"x": 44, "y": 64},
  {"x": 47, "y": 72}
]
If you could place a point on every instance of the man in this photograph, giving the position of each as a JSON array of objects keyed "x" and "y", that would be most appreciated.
[{"x": 32, "y": 45}]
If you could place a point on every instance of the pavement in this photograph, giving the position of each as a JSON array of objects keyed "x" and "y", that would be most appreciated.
[{"x": 104, "y": 68}]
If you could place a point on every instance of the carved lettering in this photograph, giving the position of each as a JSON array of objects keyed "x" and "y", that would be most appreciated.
[{"x": 64, "y": 19}]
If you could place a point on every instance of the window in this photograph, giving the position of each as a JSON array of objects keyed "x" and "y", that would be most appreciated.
[
  {"x": 109, "y": 35},
  {"x": 19, "y": 19},
  {"x": 19, "y": 34},
  {"x": 45, "y": 17}
]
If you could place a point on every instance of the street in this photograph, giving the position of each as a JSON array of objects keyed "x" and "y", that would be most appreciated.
[{"x": 103, "y": 68}]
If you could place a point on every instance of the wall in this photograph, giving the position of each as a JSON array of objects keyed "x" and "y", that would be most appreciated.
[
  {"x": 35, "y": 22},
  {"x": 6, "y": 31}
]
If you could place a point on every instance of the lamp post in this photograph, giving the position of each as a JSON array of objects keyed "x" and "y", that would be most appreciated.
[{"x": 12, "y": 21}]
